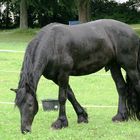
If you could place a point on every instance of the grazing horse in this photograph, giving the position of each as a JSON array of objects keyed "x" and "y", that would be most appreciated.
[{"x": 59, "y": 51}]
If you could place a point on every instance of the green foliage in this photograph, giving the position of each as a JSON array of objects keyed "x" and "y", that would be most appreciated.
[
  {"x": 125, "y": 12},
  {"x": 42, "y": 12},
  {"x": 53, "y": 11}
]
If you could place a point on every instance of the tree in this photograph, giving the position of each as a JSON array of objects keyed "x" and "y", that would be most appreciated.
[
  {"x": 110, "y": 9},
  {"x": 83, "y": 10},
  {"x": 38, "y": 13},
  {"x": 134, "y": 3},
  {"x": 23, "y": 14},
  {"x": 5, "y": 14},
  {"x": 47, "y": 11}
]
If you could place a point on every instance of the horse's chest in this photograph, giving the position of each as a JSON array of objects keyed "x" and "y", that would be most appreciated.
[
  {"x": 50, "y": 74},
  {"x": 51, "y": 71}
]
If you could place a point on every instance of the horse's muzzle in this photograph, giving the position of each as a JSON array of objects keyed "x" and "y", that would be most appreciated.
[{"x": 26, "y": 130}]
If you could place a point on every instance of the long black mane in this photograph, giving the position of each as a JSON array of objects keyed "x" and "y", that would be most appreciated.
[{"x": 26, "y": 74}]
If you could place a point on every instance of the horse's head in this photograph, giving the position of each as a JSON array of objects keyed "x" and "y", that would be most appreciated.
[{"x": 28, "y": 106}]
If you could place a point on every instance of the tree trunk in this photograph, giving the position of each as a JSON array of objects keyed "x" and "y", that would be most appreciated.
[
  {"x": 23, "y": 15},
  {"x": 7, "y": 15},
  {"x": 84, "y": 10},
  {"x": 0, "y": 17}
]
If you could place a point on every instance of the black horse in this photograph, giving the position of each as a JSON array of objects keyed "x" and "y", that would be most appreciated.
[{"x": 59, "y": 51}]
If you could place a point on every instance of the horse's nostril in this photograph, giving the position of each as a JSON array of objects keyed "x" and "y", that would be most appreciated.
[{"x": 26, "y": 130}]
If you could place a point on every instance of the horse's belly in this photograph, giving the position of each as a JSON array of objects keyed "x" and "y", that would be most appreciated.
[
  {"x": 91, "y": 64},
  {"x": 85, "y": 71},
  {"x": 87, "y": 68}
]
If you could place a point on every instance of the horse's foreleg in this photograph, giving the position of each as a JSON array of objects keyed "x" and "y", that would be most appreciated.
[
  {"x": 81, "y": 114},
  {"x": 121, "y": 88},
  {"x": 63, "y": 85}
]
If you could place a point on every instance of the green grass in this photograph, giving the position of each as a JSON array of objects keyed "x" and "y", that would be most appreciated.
[{"x": 89, "y": 90}]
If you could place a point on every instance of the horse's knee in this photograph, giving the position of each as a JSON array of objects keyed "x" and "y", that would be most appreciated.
[
  {"x": 62, "y": 96},
  {"x": 62, "y": 100},
  {"x": 121, "y": 87}
]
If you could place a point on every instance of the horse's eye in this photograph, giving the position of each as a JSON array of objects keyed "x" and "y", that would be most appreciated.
[{"x": 30, "y": 105}]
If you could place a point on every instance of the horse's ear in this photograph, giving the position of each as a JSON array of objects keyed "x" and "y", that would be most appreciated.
[{"x": 15, "y": 90}]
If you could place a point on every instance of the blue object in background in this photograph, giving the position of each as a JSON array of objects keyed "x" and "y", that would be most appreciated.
[{"x": 74, "y": 22}]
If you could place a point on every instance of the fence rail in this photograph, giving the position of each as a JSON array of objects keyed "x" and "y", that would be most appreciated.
[
  {"x": 11, "y": 51},
  {"x": 86, "y": 106}
]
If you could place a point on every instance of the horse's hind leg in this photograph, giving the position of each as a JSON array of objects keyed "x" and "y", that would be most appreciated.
[
  {"x": 121, "y": 88},
  {"x": 81, "y": 114}
]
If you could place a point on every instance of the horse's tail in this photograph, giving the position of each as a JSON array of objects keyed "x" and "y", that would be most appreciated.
[
  {"x": 133, "y": 98},
  {"x": 138, "y": 60}
]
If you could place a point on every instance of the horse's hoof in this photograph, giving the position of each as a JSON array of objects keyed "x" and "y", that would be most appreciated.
[
  {"x": 59, "y": 124},
  {"x": 83, "y": 118},
  {"x": 120, "y": 117}
]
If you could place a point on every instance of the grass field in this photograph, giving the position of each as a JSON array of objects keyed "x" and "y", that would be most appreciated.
[{"x": 96, "y": 89}]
